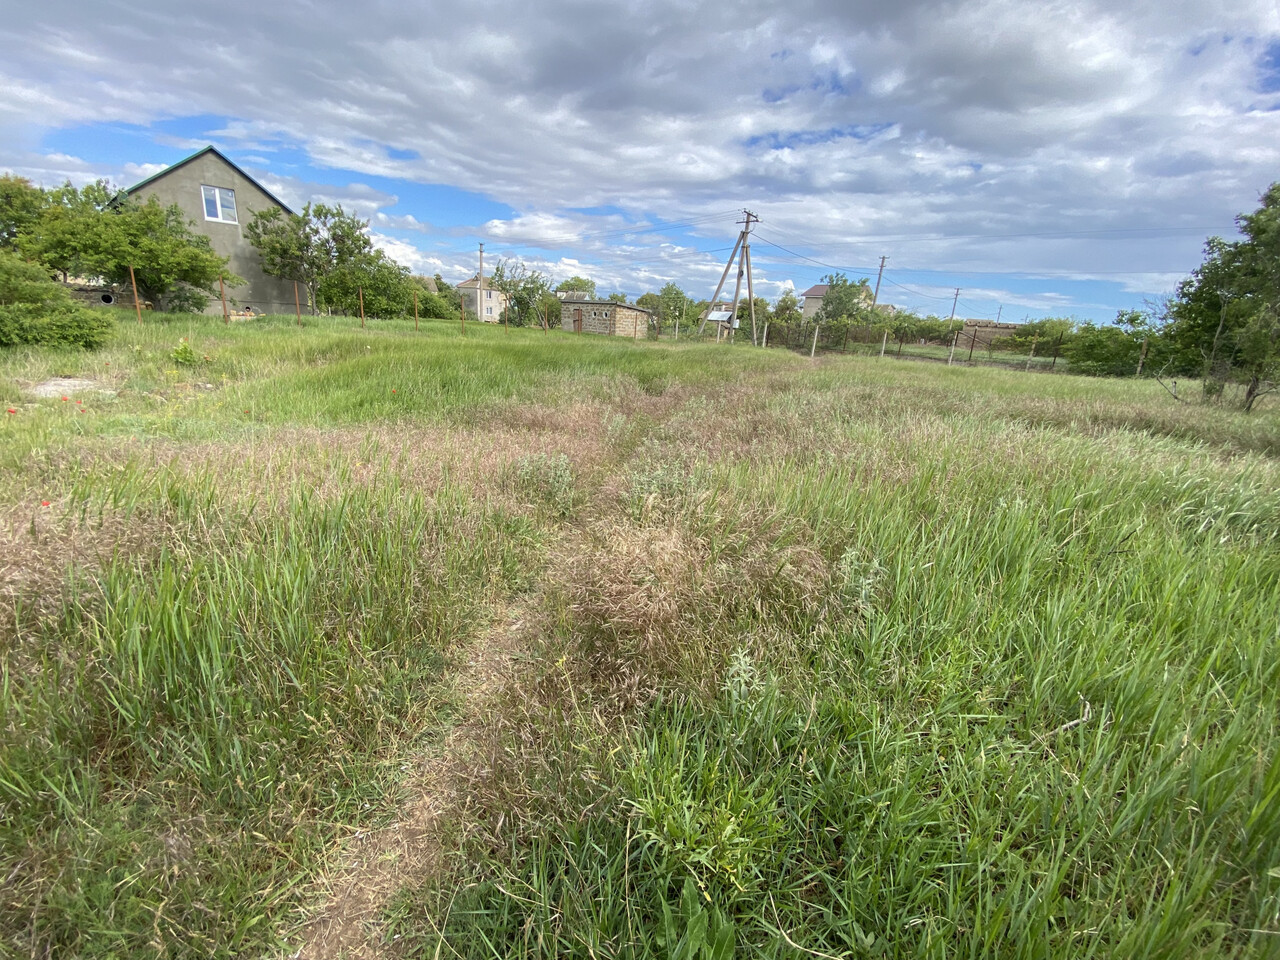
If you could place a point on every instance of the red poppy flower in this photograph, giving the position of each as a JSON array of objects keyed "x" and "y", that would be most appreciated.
[
  {"x": 11, "y": 410},
  {"x": 44, "y": 503},
  {"x": 65, "y": 399},
  {"x": 79, "y": 401}
]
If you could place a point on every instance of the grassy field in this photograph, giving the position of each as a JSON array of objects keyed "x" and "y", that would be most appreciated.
[{"x": 694, "y": 651}]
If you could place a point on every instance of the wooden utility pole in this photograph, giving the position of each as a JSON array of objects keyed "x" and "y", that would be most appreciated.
[
  {"x": 297, "y": 303},
  {"x": 884, "y": 341},
  {"x": 480, "y": 286},
  {"x": 360, "y": 292},
  {"x": 814, "y": 347},
  {"x": 954, "y": 301},
  {"x": 954, "y": 341},
  {"x": 415, "y": 311},
  {"x": 751, "y": 293},
  {"x": 222, "y": 293},
  {"x": 1142, "y": 358},
  {"x": 875, "y": 297},
  {"x": 134, "y": 282}
]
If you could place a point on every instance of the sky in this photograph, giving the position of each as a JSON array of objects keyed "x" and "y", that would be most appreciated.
[{"x": 1043, "y": 158}]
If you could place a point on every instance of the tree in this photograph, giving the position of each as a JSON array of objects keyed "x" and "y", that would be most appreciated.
[
  {"x": 578, "y": 285},
  {"x": 96, "y": 232},
  {"x": 174, "y": 268},
  {"x": 617, "y": 298},
  {"x": 372, "y": 278},
  {"x": 67, "y": 236},
  {"x": 674, "y": 305},
  {"x": 21, "y": 204},
  {"x": 527, "y": 291},
  {"x": 431, "y": 299},
  {"x": 310, "y": 246},
  {"x": 843, "y": 299},
  {"x": 1037, "y": 332},
  {"x": 1224, "y": 320}
]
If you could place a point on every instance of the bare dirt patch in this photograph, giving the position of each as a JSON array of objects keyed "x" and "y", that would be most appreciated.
[{"x": 65, "y": 386}]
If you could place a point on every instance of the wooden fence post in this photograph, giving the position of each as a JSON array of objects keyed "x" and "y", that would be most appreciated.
[
  {"x": 297, "y": 303},
  {"x": 1032, "y": 354},
  {"x": 360, "y": 292},
  {"x": 222, "y": 292},
  {"x": 415, "y": 311},
  {"x": 136, "y": 305}
]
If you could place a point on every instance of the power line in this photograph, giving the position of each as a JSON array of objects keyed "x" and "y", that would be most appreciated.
[{"x": 930, "y": 237}]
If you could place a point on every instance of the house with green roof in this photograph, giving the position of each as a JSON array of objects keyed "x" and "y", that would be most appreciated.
[{"x": 220, "y": 199}]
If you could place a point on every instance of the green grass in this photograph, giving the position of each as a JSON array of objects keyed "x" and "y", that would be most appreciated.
[{"x": 862, "y": 658}]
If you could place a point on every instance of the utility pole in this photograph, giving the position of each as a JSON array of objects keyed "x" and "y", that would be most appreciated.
[
  {"x": 954, "y": 301},
  {"x": 480, "y": 286},
  {"x": 999, "y": 312},
  {"x": 741, "y": 250},
  {"x": 875, "y": 297}
]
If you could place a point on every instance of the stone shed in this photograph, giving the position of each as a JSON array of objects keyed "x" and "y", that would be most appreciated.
[{"x": 604, "y": 316}]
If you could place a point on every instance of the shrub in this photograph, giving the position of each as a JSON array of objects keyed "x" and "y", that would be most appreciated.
[
  {"x": 54, "y": 325},
  {"x": 36, "y": 310},
  {"x": 1103, "y": 351}
]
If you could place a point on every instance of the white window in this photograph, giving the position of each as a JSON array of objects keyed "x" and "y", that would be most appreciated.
[
  {"x": 488, "y": 294},
  {"x": 219, "y": 204},
  {"x": 489, "y": 311}
]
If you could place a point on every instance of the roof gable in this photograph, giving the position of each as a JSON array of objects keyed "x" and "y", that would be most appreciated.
[
  {"x": 195, "y": 156},
  {"x": 817, "y": 290}
]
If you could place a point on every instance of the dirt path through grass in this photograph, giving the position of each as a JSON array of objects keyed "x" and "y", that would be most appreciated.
[{"x": 377, "y": 863}]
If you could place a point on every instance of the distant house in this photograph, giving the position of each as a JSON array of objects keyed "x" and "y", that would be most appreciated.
[
  {"x": 220, "y": 199},
  {"x": 495, "y": 301},
  {"x": 811, "y": 299},
  {"x": 604, "y": 316}
]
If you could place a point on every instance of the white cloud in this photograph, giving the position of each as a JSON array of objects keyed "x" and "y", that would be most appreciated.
[{"x": 838, "y": 121}]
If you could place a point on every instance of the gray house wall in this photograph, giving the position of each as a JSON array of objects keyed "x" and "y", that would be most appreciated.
[{"x": 181, "y": 184}]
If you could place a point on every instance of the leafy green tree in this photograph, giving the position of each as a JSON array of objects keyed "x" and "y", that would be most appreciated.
[
  {"x": 1224, "y": 320},
  {"x": 310, "y": 246},
  {"x": 1102, "y": 351},
  {"x": 1049, "y": 330},
  {"x": 68, "y": 235},
  {"x": 431, "y": 300},
  {"x": 527, "y": 291},
  {"x": 674, "y": 305},
  {"x": 374, "y": 278},
  {"x": 843, "y": 299},
  {"x": 175, "y": 268},
  {"x": 94, "y": 232},
  {"x": 617, "y": 298},
  {"x": 578, "y": 285},
  {"x": 21, "y": 203},
  {"x": 763, "y": 313}
]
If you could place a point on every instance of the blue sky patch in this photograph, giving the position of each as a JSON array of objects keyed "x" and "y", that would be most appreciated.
[{"x": 1269, "y": 68}]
